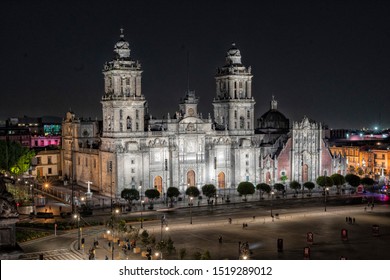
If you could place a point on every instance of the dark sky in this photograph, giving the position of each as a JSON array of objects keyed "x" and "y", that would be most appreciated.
[{"x": 323, "y": 59}]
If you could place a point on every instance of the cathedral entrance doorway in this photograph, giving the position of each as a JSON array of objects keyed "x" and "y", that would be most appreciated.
[
  {"x": 158, "y": 184},
  {"x": 305, "y": 173},
  {"x": 268, "y": 178},
  {"x": 221, "y": 180},
  {"x": 191, "y": 178}
]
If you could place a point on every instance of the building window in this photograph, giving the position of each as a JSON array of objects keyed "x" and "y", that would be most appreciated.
[
  {"x": 132, "y": 161},
  {"x": 247, "y": 163},
  {"x": 235, "y": 125},
  {"x": 86, "y": 162},
  {"x": 39, "y": 160},
  {"x": 94, "y": 163},
  {"x": 136, "y": 114},
  {"x": 235, "y": 114},
  {"x": 128, "y": 123},
  {"x": 132, "y": 170},
  {"x": 36, "y": 142},
  {"x": 49, "y": 171},
  {"x": 242, "y": 122},
  {"x": 248, "y": 114},
  {"x": 136, "y": 126},
  {"x": 120, "y": 114},
  {"x": 383, "y": 156},
  {"x": 121, "y": 127},
  {"x": 248, "y": 125},
  {"x": 78, "y": 160},
  {"x": 49, "y": 160}
]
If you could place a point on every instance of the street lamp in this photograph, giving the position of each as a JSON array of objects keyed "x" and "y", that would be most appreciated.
[
  {"x": 114, "y": 214},
  {"x": 191, "y": 198},
  {"x": 159, "y": 254},
  {"x": 142, "y": 206},
  {"x": 272, "y": 198},
  {"x": 326, "y": 192},
  {"x": 32, "y": 199},
  {"x": 77, "y": 218},
  {"x": 163, "y": 223}
]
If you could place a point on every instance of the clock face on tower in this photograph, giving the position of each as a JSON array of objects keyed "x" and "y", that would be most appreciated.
[{"x": 191, "y": 112}]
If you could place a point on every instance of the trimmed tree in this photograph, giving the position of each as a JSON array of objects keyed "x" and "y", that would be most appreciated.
[
  {"x": 310, "y": 186},
  {"x": 209, "y": 190},
  {"x": 279, "y": 188},
  {"x": 192, "y": 191},
  {"x": 152, "y": 194},
  {"x": 324, "y": 181},
  {"x": 368, "y": 183},
  {"x": 262, "y": 188},
  {"x": 245, "y": 188},
  {"x": 172, "y": 192},
  {"x": 295, "y": 185},
  {"x": 338, "y": 180},
  {"x": 130, "y": 195},
  {"x": 353, "y": 180}
]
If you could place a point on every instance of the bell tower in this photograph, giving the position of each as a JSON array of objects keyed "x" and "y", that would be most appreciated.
[
  {"x": 123, "y": 104},
  {"x": 234, "y": 103}
]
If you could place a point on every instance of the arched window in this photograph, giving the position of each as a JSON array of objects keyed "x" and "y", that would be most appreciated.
[
  {"x": 120, "y": 114},
  {"x": 242, "y": 122},
  {"x": 128, "y": 123}
]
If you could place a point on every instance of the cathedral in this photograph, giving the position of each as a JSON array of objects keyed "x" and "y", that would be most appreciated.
[{"x": 130, "y": 149}]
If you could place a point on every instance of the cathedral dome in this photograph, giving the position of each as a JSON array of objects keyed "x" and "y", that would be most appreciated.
[
  {"x": 121, "y": 48},
  {"x": 273, "y": 119}
]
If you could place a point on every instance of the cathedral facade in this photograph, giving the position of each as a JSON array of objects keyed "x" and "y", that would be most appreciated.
[{"x": 130, "y": 149}]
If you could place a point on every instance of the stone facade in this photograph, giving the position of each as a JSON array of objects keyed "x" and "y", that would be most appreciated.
[{"x": 135, "y": 150}]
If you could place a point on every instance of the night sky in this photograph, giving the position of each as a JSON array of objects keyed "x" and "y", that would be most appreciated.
[{"x": 328, "y": 60}]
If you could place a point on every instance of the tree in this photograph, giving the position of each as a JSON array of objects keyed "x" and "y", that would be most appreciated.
[
  {"x": 368, "y": 183},
  {"x": 310, "y": 186},
  {"x": 279, "y": 188},
  {"x": 338, "y": 180},
  {"x": 192, "y": 191},
  {"x": 245, "y": 188},
  {"x": 152, "y": 194},
  {"x": 324, "y": 181},
  {"x": 172, "y": 192},
  {"x": 23, "y": 164},
  {"x": 10, "y": 153},
  {"x": 353, "y": 180},
  {"x": 209, "y": 190},
  {"x": 295, "y": 185},
  {"x": 263, "y": 187},
  {"x": 130, "y": 195}
]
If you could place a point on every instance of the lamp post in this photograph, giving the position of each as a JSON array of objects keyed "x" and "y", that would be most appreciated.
[
  {"x": 142, "y": 205},
  {"x": 326, "y": 192},
  {"x": 191, "y": 198},
  {"x": 272, "y": 198},
  {"x": 114, "y": 214},
  {"x": 32, "y": 199},
  {"x": 163, "y": 222},
  {"x": 77, "y": 218}
]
